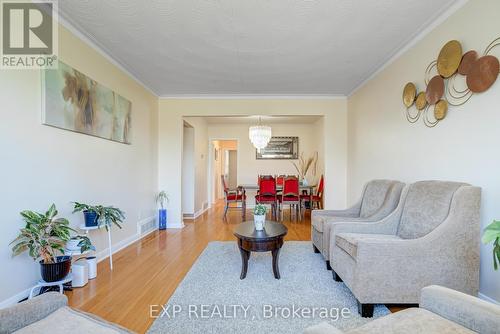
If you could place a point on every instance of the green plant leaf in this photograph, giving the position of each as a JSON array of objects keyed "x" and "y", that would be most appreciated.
[{"x": 491, "y": 232}]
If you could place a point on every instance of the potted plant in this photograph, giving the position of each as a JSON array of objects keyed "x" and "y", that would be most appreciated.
[
  {"x": 492, "y": 233},
  {"x": 104, "y": 215},
  {"x": 259, "y": 216},
  {"x": 161, "y": 199},
  {"x": 89, "y": 213},
  {"x": 44, "y": 236},
  {"x": 303, "y": 167},
  {"x": 79, "y": 243}
]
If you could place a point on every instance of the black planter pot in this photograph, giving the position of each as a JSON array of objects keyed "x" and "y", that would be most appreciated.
[
  {"x": 90, "y": 218},
  {"x": 52, "y": 272}
]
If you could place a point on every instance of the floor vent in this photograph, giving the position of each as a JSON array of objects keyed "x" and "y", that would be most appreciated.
[{"x": 147, "y": 225}]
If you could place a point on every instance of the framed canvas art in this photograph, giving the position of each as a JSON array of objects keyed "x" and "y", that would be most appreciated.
[
  {"x": 73, "y": 101},
  {"x": 280, "y": 148}
]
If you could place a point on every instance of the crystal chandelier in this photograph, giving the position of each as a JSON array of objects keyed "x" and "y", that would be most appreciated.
[{"x": 259, "y": 135}]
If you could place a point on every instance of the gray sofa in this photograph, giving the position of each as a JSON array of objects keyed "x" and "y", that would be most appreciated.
[
  {"x": 441, "y": 311},
  {"x": 431, "y": 238},
  {"x": 49, "y": 313},
  {"x": 378, "y": 199}
]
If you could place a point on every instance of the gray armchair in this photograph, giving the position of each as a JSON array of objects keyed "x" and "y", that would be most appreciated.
[
  {"x": 441, "y": 311},
  {"x": 431, "y": 238},
  {"x": 379, "y": 198}
]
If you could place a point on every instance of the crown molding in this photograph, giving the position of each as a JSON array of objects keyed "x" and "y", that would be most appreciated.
[
  {"x": 426, "y": 28},
  {"x": 252, "y": 97},
  {"x": 89, "y": 39}
]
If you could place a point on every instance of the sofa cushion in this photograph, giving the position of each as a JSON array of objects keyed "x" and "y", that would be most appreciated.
[
  {"x": 412, "y": 321},
  {"x": 374, "y": 196},
  {"x": 68, "y": 321},
  {"x": 348, "y": 242},
  {"x": 426, "y": 206}
]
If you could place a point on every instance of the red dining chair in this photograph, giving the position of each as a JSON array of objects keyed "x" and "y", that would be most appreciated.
[
  {"x": 267, "y": 193},
  {"x": 279, "y": 184},
  {"x": 290, "y": 195},
  {"x": 316, "y": 199},
  {"x": 237, "y": 195}
]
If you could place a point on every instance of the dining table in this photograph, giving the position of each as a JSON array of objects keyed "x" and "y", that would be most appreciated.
[{"x": 254, "y": 187}]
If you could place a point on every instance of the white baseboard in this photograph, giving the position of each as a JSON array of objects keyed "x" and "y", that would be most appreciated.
[
  {"x": 192, "y": 216},
  {"x": 488, "y": 299},
  {"x": 15, "y": 299}
]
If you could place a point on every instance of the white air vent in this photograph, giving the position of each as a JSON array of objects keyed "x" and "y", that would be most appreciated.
[{"x": 147, "y": 225}]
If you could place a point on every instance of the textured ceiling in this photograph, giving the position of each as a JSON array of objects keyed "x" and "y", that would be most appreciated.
[{"x": 275, "y": 47}]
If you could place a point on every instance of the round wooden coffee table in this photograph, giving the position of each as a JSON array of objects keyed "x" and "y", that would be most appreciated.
[{"x": 268, "y": 240}]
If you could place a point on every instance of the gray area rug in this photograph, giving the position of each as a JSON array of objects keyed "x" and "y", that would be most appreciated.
[{"x": 213, "y": 299}]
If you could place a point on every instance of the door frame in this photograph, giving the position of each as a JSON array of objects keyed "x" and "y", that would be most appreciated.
[{"x": 210, "y": 180}]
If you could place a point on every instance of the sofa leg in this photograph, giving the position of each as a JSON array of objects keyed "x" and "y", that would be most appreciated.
[
  {"x": 365, "y": 310},
  {"x": 328, "y": 267},
  {"x": 336, "y": 277},
  {"x": 316, "y": 250}
]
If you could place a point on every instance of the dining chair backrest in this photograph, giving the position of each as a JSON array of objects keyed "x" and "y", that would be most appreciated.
[
  {"x": 291, "y": 186},
  {"x": 267, "y": 185},
  {"x": 279, "y": 180},
  {"x": 321, "y": 186},
  {"x": 224, "y": 185}
]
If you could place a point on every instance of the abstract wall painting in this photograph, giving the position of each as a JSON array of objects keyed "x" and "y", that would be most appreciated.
[{"x": 73, "y": 101}]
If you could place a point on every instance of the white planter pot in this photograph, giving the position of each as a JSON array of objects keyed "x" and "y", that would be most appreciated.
[
  {"x": 92, "y": 263},
  {"x": 259, "y": 221},
  {"x": 72, "y": 245}
]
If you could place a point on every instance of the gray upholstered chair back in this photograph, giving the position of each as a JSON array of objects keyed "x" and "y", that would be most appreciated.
[
  {"x": 426, "y": 206},
  {"x": 374, "y": 196}
]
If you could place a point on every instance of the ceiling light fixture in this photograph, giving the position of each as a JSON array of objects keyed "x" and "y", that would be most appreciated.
[{"x": 259, "y": 135}]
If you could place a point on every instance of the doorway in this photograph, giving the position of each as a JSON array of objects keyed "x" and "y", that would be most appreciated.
[{"x": 224, "y": 163}]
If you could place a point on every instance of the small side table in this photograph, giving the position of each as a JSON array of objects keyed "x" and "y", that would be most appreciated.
[
  {"x": 89, "y": 228},
  {"x": 41, "y": 283}
]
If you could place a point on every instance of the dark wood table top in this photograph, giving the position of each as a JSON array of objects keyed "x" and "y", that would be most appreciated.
[{"x": 272, "y": 230}]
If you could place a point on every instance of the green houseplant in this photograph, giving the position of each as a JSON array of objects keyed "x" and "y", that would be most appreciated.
[
  {"x": 259, "y": 216},
  {"x": 492, "y": 233},
  {"x": 43, "y": 237},
  {"x": 104, "y": 215}
]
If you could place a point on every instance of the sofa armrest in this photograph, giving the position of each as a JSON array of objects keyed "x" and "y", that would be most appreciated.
[
  {"x": 30, "y": 311},
  {"x": 352, "y": 212},
  {"x": 471, "y": 312},
  {"x": 322, "y": 328}
]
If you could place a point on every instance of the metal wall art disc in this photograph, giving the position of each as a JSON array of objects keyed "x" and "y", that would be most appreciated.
[
  {"x": 435, "y": 90},
  {"x": 409, "y": 93},
  {"x": 468, "y": 59},
  {"x": 483, "y": 74},
  {"x": 440, "y": 110},
  {"x": 421, "y": 102},
  {"x": 449, "y": 58}
]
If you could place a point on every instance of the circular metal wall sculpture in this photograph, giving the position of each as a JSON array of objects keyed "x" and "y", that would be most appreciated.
[{"x": 458, "y": 77}]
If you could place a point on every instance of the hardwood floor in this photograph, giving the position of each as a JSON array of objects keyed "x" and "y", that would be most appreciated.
[{"x": 148, "y": 271}]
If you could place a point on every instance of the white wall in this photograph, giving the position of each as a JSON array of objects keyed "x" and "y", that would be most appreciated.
[
  {"x": 200, "y": 164},
  {"x": 464, "y": 147},
  {"x": 334, "y": 127},
  {"x": 249, "y": 167},
  {"x": 41, "y": 165}
]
